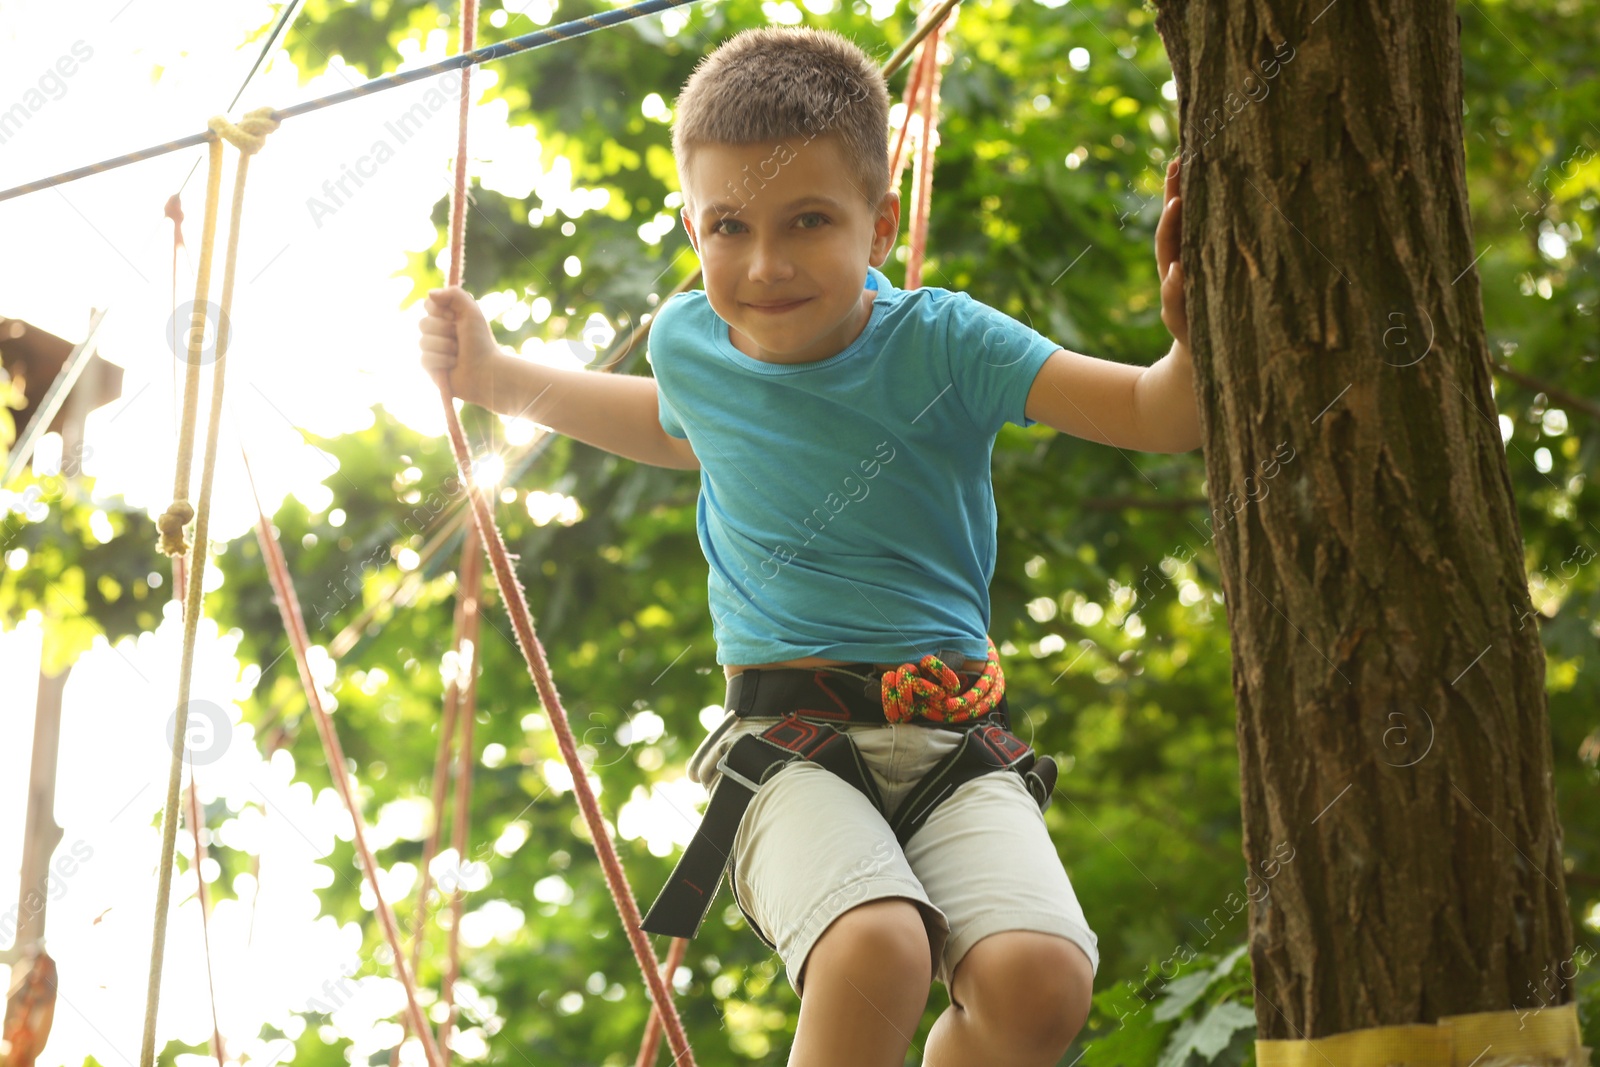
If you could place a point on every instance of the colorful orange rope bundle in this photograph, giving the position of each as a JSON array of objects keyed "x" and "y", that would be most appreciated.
[{"x": 933, "y": 691}]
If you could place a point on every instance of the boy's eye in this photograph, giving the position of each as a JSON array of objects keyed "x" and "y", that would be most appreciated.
[
  {"x": 820, "y": 219},
  {"x": 721, "y": 225}
]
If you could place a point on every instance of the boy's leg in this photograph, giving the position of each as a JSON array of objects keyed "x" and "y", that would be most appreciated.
[
  {"x": 866, "y": 984},
  {"x": 1020, "y": 959},
  {"x": 1017, "y": 999},
  {"x": 819, "y": 875}
]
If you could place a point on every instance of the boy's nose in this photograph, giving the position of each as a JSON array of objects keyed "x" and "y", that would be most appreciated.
[{"x": 770, "y": 263}]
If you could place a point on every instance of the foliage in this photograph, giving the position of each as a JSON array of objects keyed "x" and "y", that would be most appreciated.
[
  {"x": 12, "y": 398},
  {"x": 1202, "y": 1013},
  {"x": 88, "y": 565}
]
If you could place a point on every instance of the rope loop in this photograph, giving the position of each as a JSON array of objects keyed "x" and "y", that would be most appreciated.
[
  {"x": 250, "y": 133},
  {"x": 930, "y": 688}
]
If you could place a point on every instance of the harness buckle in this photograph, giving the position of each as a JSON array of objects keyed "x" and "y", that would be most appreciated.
[{"x": 728, "y": 772}]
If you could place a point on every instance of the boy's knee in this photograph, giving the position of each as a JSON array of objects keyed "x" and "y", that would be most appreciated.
[
  {"x": 883, "y": 940},
  {"x": 1029, "y": 989}
]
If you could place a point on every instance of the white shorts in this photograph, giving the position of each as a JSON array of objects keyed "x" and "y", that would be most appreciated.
[{"x": 811, "y": 847}]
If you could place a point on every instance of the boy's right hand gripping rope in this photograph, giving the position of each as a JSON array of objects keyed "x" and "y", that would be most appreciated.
[{"x": 931, "y": 689}]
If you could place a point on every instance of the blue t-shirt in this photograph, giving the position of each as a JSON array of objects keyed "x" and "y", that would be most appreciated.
[{"x": 846, "y": 508}]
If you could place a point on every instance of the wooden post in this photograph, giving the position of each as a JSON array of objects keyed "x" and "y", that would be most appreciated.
[{"x": 41, "y": 835}]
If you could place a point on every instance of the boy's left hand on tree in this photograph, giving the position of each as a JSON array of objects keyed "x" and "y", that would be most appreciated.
[{"x": 1169, "y": 238}]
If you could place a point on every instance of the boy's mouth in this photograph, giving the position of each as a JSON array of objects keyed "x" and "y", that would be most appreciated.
[{"x": 778, "y": 307}]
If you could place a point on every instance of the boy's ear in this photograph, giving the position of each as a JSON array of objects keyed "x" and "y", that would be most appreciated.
[
  {"x": 688, "y": 226},
  {"x": 885, "y": 227}
]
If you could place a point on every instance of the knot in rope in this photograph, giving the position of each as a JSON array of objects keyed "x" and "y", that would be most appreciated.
[
  {"x": 251, "y": 132},
  {"x": 171, "y": 525},
  {"x": 933, "y": 690}
]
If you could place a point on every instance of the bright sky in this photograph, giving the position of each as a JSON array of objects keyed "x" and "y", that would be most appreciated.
[{"x": 319, "y": 335}]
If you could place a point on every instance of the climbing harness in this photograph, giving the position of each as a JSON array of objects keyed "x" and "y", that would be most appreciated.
[
  {"x": 808, "y": 702},
  {"x": 810, "y": 705}
]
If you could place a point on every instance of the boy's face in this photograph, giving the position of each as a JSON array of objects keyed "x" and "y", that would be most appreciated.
[{"x": 784, "y": 236}]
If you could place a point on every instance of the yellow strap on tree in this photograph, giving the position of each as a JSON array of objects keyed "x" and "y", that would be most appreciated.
[
  {"x": 1527, "y": 1037},
  {"x": 248, "y": 137}
]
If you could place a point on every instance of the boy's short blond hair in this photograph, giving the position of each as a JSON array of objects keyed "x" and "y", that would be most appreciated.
[{"x": 783, "y": 83}]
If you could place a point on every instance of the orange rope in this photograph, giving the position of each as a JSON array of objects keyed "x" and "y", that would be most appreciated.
[
  {"x": 528, "y": 641},
  {"x": 897, "y": 160},
  {"x": 539, "y": 669},
  {"x": 914, "y": 81},
  {"x": 922, "y": 168},
  {"x": 652, "y": 1030},
  {"x": 470, "y": 574},
  {"x": 458, "y": 192},
  {"x": 441, "y": 779},
  {"x": 930, "y": 689},
  {"x": 467, "y": 658},
  {"x": 294, "y": 625}
]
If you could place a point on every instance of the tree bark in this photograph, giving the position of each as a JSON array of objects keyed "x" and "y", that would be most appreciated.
[{"x": 1393, "y": 736}]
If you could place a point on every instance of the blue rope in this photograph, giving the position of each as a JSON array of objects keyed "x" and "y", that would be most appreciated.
[{"x": 537, "y": 39}]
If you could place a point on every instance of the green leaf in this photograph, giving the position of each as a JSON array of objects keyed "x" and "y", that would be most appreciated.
[
  {"x": 1185, "y": 990},
  {"x": 1182, "y": 992},
  {"x": 1208, "y": 1036},
  {"x": 1217, "y": 1028}
]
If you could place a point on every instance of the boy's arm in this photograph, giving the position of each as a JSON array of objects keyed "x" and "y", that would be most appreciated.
[
  {"x": 615, "y": 412},
  {"x": 1148, "y": 409}
]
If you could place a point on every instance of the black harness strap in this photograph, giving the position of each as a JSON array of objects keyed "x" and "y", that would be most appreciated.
[
  {"x": 750, "y": 761},
  {"x": 805, "y": 702},
  {"x": 989, "y": 746}
]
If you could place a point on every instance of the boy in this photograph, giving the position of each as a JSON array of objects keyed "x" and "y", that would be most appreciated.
[{"x": 843, "y": 431}]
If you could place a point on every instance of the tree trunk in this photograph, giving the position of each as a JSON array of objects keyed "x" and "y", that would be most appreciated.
[{"x": 1393, "y": 736}]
